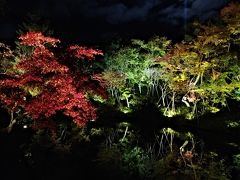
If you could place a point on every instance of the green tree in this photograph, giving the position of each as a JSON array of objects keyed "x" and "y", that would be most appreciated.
[
  {"x": 204, "y": 72},
  {"x": 130, "y": 71},
  {"x": 187, "y": 78}
]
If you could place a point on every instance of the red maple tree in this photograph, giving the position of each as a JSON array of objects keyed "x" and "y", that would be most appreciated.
[{"x": 45, "y": 82}]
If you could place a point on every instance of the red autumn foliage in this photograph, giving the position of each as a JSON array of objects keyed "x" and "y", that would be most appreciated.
[
  {"x": 42, "y": 85},
  {"x": 83, "y": 52},
  {"x": 37, "y": 39}
]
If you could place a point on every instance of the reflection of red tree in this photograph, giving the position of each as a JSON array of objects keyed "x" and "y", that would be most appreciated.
[{"x": 42, "y": 85}]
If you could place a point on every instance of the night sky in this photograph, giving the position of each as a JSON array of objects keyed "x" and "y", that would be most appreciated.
[{"x": 100, "y": 20}]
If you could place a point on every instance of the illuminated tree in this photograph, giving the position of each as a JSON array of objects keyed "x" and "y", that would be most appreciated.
[
  {"x": 187, "y": 78},
  {"x": 42, "y": 83},
  {"x": 205, "y": 71},
  {"x": 130, "y": 73}
]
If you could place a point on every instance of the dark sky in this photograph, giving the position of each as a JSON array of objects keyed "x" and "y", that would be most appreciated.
[{"x": 97, "y": 20}]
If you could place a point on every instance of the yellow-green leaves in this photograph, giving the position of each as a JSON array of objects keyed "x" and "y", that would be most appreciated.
[{"x": 33, "y": 90}]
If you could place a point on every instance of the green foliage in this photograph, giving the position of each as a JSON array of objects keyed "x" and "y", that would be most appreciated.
[
  {"x": 130, "y": 157},
  {"x": 175, "y": 162},
  {"x": 162, "y": 159},
  {"x": 188, "y": 78},
  {"x": 136, "y": 162},
  {"x": 131, "y": 73},
  {"x": 121, "y": 154},
  {"x": 202, "y": 73},
  {"x": 236, "y": 160},
  {"x": 233, "y": 124},
  {"x": 213, "y": 168},
  {"x": 7, "y": 59}
]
